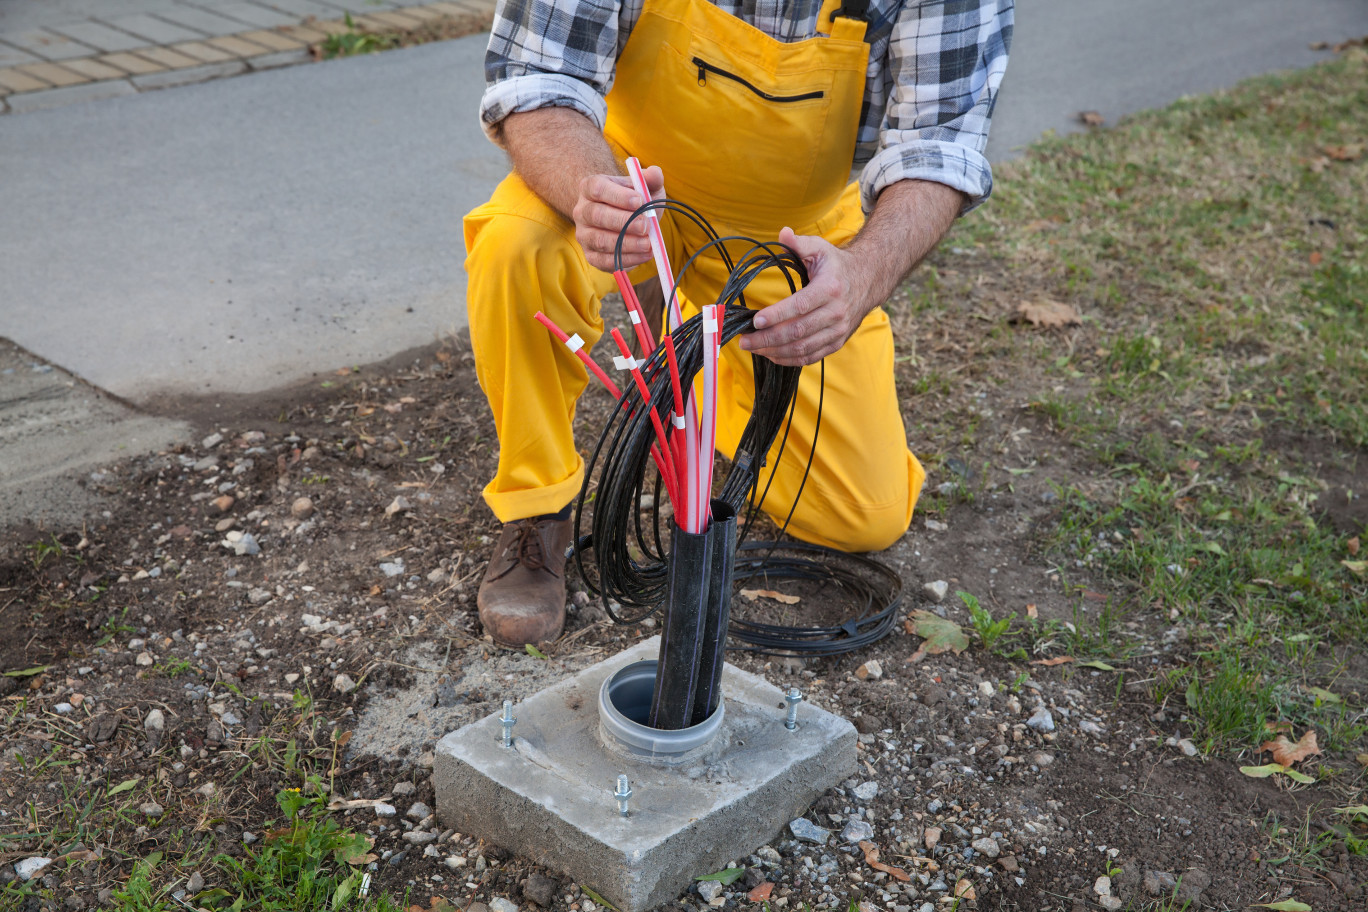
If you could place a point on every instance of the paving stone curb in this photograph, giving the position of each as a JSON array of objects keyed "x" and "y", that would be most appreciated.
[{"x": 183, "y": 58}]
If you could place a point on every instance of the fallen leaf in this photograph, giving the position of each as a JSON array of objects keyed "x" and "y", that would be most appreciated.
[
  {"x": 1285, "y": 905},
  {"x": 1325, "y": 696},
  {"x": 124, "y": 786},
  {"x": 1049, "y": 314},
  {"x": 1345, "y": 153},
  {"x": 941, "y": 634},
  {"x": 1361, "y": 759},
  {"x": 1098, "y": 664},
  {"x": 871, "y": 854},
  {"x": 1057, "y": 660},
  {"x": 1091, "y": 118},
  {"x": 1359, "y": 567},
  {"x": 1353, "y": 546},
  {"x": 1315, "y": 258},
  {"x": 752, "y": 594},
  {"x": 1269, "y": 769},
  {"x": 1357, "y": 810},
  {"x": 724, "y": 876},
  {"x": 964, "y": 889},
  {"x": 761, "y": 893},
  {"x": 1287, "y": 753},
  {"x": 1031, "y": 611},
  {"x": 533, "y": 651}
]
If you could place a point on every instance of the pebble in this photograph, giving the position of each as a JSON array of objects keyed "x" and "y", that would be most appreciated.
[
  {"x": 1159, "y": 883},
  {"x": 155, "y": 721},
  {"x": 857, "y": 831},
  {"x": 871, "y": 671},
  {"x": 31, "y": 867},
  {"x": 343, "y": 683},
  {"x": 932, "y": 837},
  {"x": 454, "y": 861},
  {"x": 151, "y": 809},
  {"x": 769, "y": 856},
  {"x": 400, "y": 504},
  {"x": 144, "y": 659},
  {"x": 1091, "y": 728},
  {"x": 385, "y": 810},
  {"x": 224, "y": 503},
  {"x": 1110, "y": 903},
  {"x": 935, "y": 525},
  {"x": 63, "y": 708},
  {"x": 1187, "y": 747},
  {"x": 243, "y": 544},
  {"x": 302, "y": 508},
  {"x": 709, "y": 889},
  {"x": 1041, "y": 720},
  {"x": 404, "y": 788},
  {"x": 1042, "y": 759},
  {"x": 540, "y": 889},
  {"x": 223, "y": 525},
  {"x": 986, "y": 688},
  {"x": 934, "y": 806},
  {"x": 419, "y": 837},
  {"x": 866, "y": 791},
  {"x": 230, "y": 718},
  {"x": 499, "y": 904},
  {"x": 211, "y": 441},
  {"x": 259, "y": 596},
  {"x": 936, "y": 590},
  {"x": 248, "y": 838},
  {"x": 986, "y": 846},
  {"x": 417, "y": 811},
  {"x": 195, "y": 883},
  {"x": 392, "y": 568},
  {"x": 1102, "y": 886},
  {"x": 807, "y": 831},
  {"x": 291, "y": 677}
]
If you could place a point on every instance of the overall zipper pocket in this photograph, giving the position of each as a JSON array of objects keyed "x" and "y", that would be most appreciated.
[{"x": 704, "y": 68}]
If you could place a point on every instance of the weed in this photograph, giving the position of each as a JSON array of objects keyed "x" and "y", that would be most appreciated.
[
  {"x": 356, "y": 41},
  {"x": 989, "y": 630}
]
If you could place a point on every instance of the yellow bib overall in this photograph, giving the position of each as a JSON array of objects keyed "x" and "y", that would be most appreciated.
[{"x": 756, "y": 134}]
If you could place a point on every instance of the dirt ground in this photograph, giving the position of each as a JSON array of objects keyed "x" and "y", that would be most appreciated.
[{"x": 308, "y": 570}]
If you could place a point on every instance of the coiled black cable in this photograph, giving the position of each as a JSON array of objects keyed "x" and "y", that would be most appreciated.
[{"x": 629, "y": 560}]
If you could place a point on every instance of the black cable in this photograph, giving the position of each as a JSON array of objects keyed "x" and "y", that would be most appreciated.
[{"x": 629, "y": 562}]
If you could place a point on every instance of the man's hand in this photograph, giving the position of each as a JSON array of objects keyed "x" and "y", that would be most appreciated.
[
  {"x": 816, "y": 321},
  {"x": 605, "y": 203},
  {"x": 845, "y": 284}
]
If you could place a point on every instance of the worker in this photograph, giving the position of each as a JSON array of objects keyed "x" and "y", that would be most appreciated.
[{"x": 757, "y": 113}]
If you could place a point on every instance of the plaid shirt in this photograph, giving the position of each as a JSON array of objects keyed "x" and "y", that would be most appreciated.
[{"x": 933, "y": 76}]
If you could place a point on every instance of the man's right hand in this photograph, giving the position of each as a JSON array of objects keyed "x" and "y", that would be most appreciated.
[{"x": 606, "y": 202}]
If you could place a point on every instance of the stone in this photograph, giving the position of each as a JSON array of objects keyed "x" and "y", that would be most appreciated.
[
  {"x": 539, "y": 889},
  {"x": 405, "y": 788},
  {"x": 259, "y": 596},
  {"x": 936, "y": 590},
  {"x": 1009, "y": 864},
  {"x": 1102, "y": 886},
  {"x": 454, "y": 862},
  {"x": 986, "y": 689},
  {"x": 400, "y": 504},
  {"x": 155, "y": 721},
  {"x": 867, "y": 724},
  {"x": 866, "y": 791},
  {"x": 807, "y": 831},
  {"x": 932, "y": 837},
  {"x": 1159, "y": 883},
  {"x": 151, "y": 809},
  {"x": 871, "y": 671},
  {"x": 195, "y": 883},
  {"x": 29, "y": 868},
  {"x": 709, "y": 890},
  {"x": 987, "y": 845},
  {"x": 768, "y": 856},
  {"x": 1190, "y": 888},
  {"x": 1187, "y": 747},
  {"x": 547, "y": 800},
  {"x": 1091, "y": 728},
  {"x": 935, "y": 525},
  {"x": 1042, "y": 759},
  {"x": 934, "y": 806},
  {"x": 212, "y": 440},
  {"x": 499, "y": 904},
  {"x": 1110, "y": 903},
  {"x": 230, "y": 718},
  {"x": 223, "y": 503},
  {"x": 392, "y": 568},
  {"x": 302, "y": 508},
  {"x": 1041, "y": 720},
  {"x": 419, "y": 837},
  {"x": 417, "y": 811},
  {"x": 144, "y": 659},
  {"x": 857, "y": 831},
  {"x": 343, "y": 683},
  {"x": 385, "y": 810}
]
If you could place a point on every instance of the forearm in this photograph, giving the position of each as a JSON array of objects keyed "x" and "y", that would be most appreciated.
[
  {"x": 554, "y": 150},
  {"x": 908, "y": 221}
]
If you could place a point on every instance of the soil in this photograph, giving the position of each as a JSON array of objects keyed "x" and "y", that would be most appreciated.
[{"x": 356, "y": 615}]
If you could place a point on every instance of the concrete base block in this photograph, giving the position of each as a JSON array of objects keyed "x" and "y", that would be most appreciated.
[{"x": 549, "y": 797}]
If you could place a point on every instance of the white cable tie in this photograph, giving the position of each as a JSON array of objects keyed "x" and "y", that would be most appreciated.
[
  {"x": 624, "y": 364},
  {"x": 678, "y": 421},
  {"x": 709, "y": 326},
  {"x": 574, "y": 343},
  {"x": 636, "y": 317}
]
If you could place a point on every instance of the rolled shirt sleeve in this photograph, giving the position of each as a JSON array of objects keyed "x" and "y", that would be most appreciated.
[
  {"x": 944, "y": 67},
  {"x": 550, "y": 53}
]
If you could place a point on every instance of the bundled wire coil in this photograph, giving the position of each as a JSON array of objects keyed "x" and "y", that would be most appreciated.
[{"x": 629, "y": 562}]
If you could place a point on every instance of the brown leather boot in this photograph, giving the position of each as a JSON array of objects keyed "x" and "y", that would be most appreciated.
[{"x": 522, "y": 595}]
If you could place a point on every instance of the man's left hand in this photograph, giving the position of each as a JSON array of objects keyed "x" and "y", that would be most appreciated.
[{"x": 817, "y": 320}]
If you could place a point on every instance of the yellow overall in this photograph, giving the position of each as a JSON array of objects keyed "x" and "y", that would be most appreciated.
[{"x": 756, "y": 134}]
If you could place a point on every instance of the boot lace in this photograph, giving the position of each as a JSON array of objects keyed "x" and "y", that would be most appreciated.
[{"x": 526, "y": 550}]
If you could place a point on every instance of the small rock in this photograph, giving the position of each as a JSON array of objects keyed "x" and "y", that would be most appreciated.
[
  {"x": 155, "y": 721},
  {"x": 539, "y": 889},
  {"x": 214, "y": 731},
  {"x": 1195, "y": 880},
  {"x": 857, "y": 831},
  {"x": 224, "y": 503},
  {"x": 936, "y": 591},
  {"x": 436, "y": 576},
  {"x": 195, "y": 883},
  {"x": 310, "y": 620},
  {"x": 144, "y": 659},
  {"x": 807, "y": 831},
  {"x": 419, "y": 837},
  {"x": 400, "y": 504},
  {"x": 230, "y": 718},
  {"x": 986, "y": 846},
  {"x": 1187, "y": 747},
  {"x": 385, "y": 810},
  {"x": 343, "y": 683},
  {"x": 769, "y": 856},
  {"x": 709, "y": 889},
  {"x": 499, "y": 904},
  {"x": 244, "y": 545},
  {"x": 934, "y": 806},
  {"x": 62, "y": 709},
  {"x": 302, "y": 508},
  {"x": 986, "y": 688},
  {"x": 866, "y": 791},
  {"x": 259, "y": 596},
  {"x": 1041, "y": 720},
  {"x": 1159, "y": 883},
  {"x": 1042, "y": 759},
  {"x": 871, "y": 671},
  {"x": 405, "y": 788},
  {"x": 1091, "y": 728},
  {"x": 223, "y": 525},
  {"x": 932, "y": 837},
  {"x": 392, "y": 568},
  {"x": 935, "y": 525},
  {"x": 30, "y": 868},
  {"x": 1102, "y": 886},
  {"x": 291, "y": 677},
  {"x": 454, "y": 862},
  {"x": 1009, "y": 864},
  {"x": 868, "y": 724},
  {"x": 248, "y": 838},
  {"x": 210, "y": 442},
  {"x": 417, "y": 811},
  {"x": 151, "y": 809},
  {"x": 1110, "y": 903}
]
